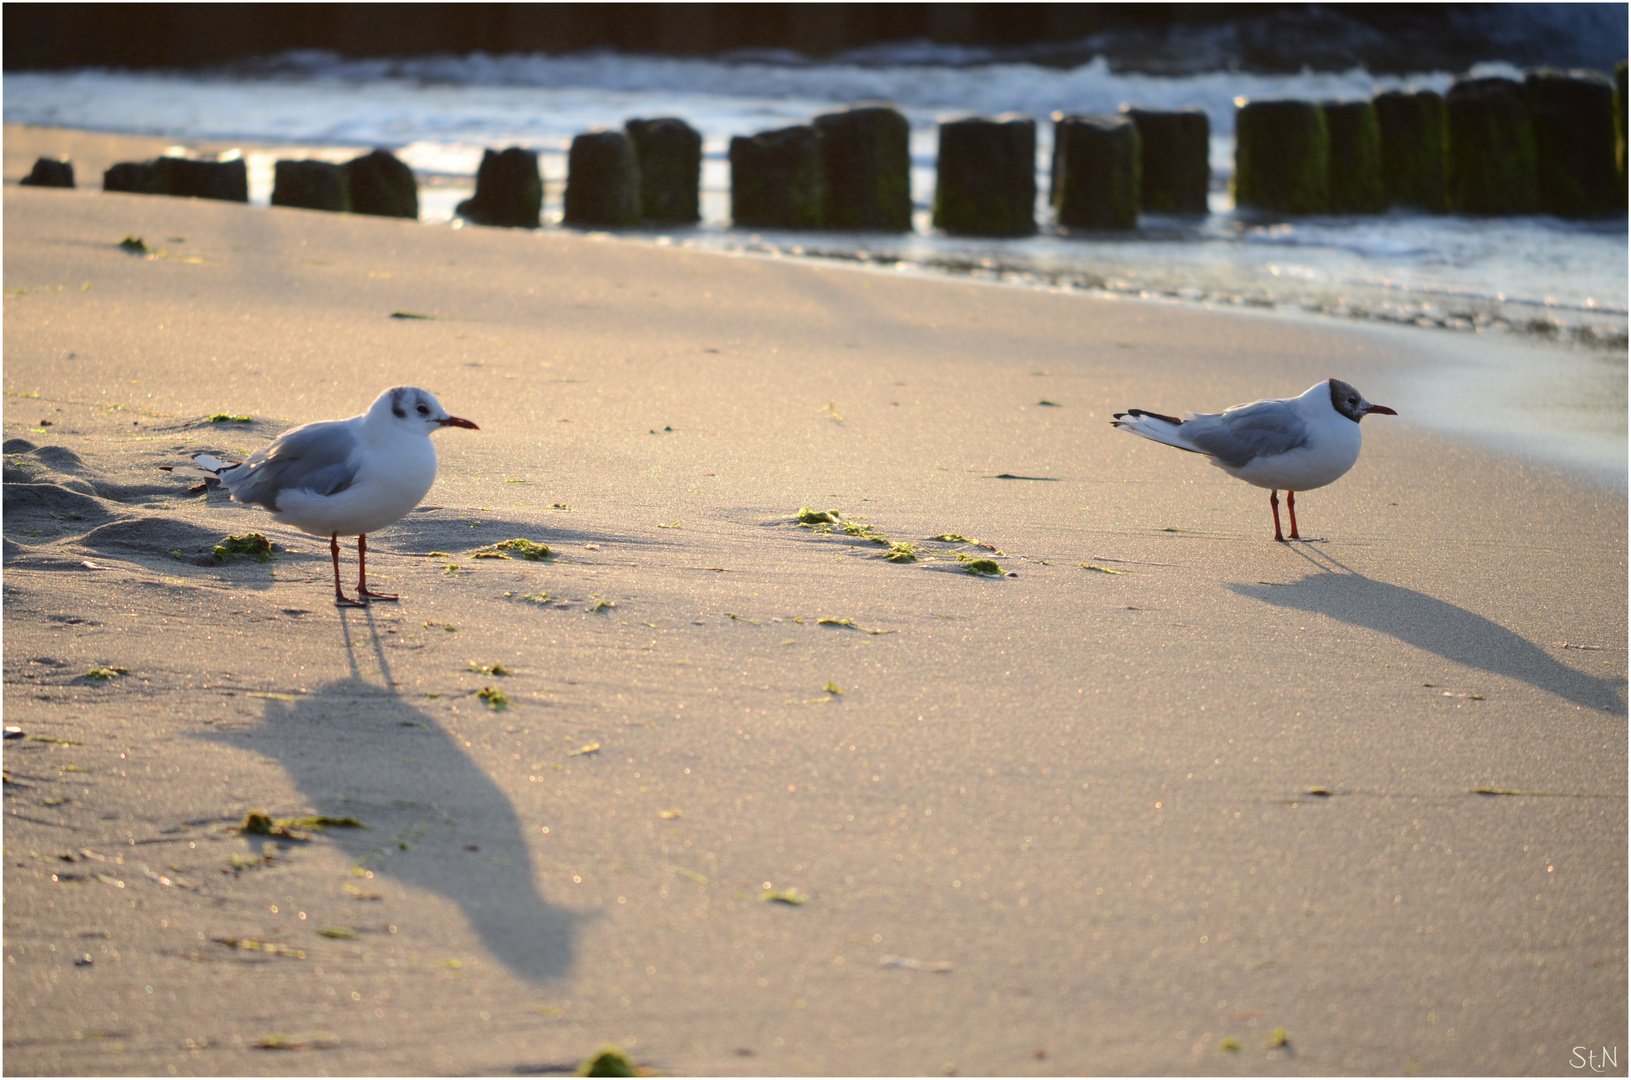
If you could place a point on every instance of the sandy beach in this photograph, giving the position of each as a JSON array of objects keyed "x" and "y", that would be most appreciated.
[{"x": 1167, "y": 797}]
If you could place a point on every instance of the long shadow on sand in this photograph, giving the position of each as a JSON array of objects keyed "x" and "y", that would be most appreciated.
[
  {"x": 1439, "y": 627},
  {"x": 435, "y": 820}
]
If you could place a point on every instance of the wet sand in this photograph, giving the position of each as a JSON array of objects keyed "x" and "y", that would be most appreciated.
[{"x": 1165, "y": 790}]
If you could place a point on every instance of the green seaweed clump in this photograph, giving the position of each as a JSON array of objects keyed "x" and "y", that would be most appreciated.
[
  {"x": 817, "y": 517},
  {"x": 902, "y": 552},
  {"x": 785, "y": 896},
  {"x": 102, "y": 674},
  {"x": 608, "y": 1061},
  {"x": 1230, "y": 1045},
  {"x": 510, "y": 549},
  {"x": 865, "y": 532},
  {"x": 495, "y": 698},
  {"x": 316, "y": 822},
  {"x": 245, "y": 546},
  {"x": 983, "y": 567},
  {"x": 134, "y": 245},
  {"x": 955, "y": 538},
  {"x": 232, "y": 418}
]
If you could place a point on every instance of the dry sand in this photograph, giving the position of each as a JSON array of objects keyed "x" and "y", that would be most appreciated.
[{"x": 1061, "y": 821}]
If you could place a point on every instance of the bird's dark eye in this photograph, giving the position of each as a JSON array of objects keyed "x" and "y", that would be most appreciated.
[{"x": 424, "y": 409}]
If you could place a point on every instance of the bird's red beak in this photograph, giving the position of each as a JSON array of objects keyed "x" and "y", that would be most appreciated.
[
  {"x": 459, "y": 421},
  {"x": 1383, "y": 409}
]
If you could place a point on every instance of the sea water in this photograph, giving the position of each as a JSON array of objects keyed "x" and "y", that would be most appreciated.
[{"x": 1557, "y": 287}]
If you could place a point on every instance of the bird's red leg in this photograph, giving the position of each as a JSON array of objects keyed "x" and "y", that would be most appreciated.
[
  {"x": 1274, "y": 504},
  {"x": 340, "y": 598},
  {"x": 363, "y": 592},
  {"x": 1291, "y": 508}
]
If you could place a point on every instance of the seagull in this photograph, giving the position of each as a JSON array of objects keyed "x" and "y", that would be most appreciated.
[
  {"x": 339, "y": 478},
  {"x": 1293, "y": 443}
]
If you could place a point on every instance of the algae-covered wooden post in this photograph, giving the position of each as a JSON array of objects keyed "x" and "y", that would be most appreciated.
[
  {"x": 1619, "y": 119},
  {"x": 1282, "y": 157},
  {"x": 1489, "y": 149},
  {"x": 226, "y": 180},
  {"x": 1412, "y": 128},
  {"x": 1176, "y": 166},
  {"x": 776, "y": 179},
  {"x": 1575, "y": 142},
  {"x": 310, "y": 185},
  {"x": 866, "y": 169},
  {"x": 602, "y": 181},
  {"x": 669, "y": 152},
  {"x": 50, "y": 172},
  {"x": 1356, "y": 158},
  {"x": 509, "y": 191},
  {"x": 985, "y": 179},
  {"x": 137, "y": 177},
  {"x": 1096, "y": 161},
  {"x": 382, "y": 185}
]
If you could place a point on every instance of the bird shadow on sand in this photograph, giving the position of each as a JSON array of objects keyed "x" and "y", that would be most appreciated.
[
  {"x": 435, "y": 820},
  {"x": 1438, "y": 627}
]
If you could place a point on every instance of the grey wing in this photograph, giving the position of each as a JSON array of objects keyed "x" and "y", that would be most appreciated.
[
  {"x": 318, "y": 457},
  {"x": 1261, "y": 429}
]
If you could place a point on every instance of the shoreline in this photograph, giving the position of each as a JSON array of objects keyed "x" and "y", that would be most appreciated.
[
  {"x": 1537, "y": 321},
  {"x": 1485, "y": 385}
]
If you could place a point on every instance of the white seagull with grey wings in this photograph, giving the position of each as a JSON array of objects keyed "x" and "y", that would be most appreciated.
[
  {"x": 1293, "y": 443},
  {"x": 340, "y": 478}
]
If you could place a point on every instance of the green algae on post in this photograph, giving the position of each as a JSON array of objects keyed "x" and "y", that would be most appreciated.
[
  {"x": 244, "y": 546},
  {"x": 817, "y": 517},
  {"x": 496, "y": 699},
  {"x": 510, "y": 549}
]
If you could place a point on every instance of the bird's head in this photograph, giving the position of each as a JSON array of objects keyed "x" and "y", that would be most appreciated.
[
  {"x": 1352, "y": 404},
  {"x": 413, "y": 409}
]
